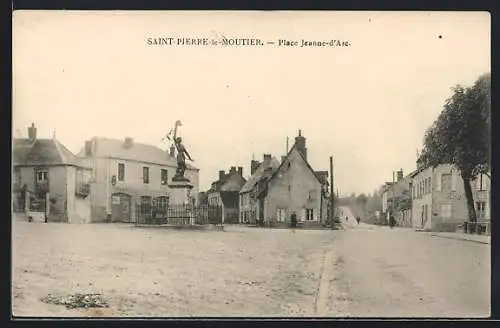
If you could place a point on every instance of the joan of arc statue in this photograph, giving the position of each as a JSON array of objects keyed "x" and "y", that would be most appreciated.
[{"x": 182, "y": 153}]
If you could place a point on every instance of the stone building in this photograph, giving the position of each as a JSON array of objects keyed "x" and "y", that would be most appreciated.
[
  {"x": 396, "y": 199},
  {"x": 49, "y": 176},
  {"x": 276, "y": 190},
  {"x": 225, "y": 192},
  {"x": 249, "y": 209},
  {"x": 438, "y": 198},
  {"x": 130, "y": 177}
]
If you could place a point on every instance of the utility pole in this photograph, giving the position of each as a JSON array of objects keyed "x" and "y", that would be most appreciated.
[{"x": 332, "y": 204}]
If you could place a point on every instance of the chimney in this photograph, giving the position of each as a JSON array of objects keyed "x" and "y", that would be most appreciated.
[
  {"x": 128, "y": 143},
  {"x": 240, "y": 171},
  {"x": 400, "y": 175},
  {"x": 300, "y": 144},
  {"x": 232, "y": 170},
  {"x": 88, "y": 148},
  {"x": 267, "y": 159},
  {"x": 253, "y": 166},
  {"x": 32, "y": 132},
  {"x": 172, "y": 151},
  {"x": 222, "y": 174}
]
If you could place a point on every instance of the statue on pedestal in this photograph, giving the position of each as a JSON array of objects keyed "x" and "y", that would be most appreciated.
[
  {"x": 182, "y": 153},
  {"x": 181, "y": 160}
]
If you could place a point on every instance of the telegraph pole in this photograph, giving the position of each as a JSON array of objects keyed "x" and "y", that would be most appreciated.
[{"x": 332, "y": 204}]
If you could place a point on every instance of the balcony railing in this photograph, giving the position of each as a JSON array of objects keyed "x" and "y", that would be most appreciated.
[
  {"x": 41, "y": 186},
  {"x": 83, "y": 190}
]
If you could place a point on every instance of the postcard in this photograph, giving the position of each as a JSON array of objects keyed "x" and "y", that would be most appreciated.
[{"x": 251, "y": 164}]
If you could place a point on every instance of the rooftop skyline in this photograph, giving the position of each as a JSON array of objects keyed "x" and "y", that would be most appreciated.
[{"x": 367, "y": 105}]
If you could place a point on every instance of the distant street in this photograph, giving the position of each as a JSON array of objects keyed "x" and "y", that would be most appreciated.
[{"x": 400, "y": 272}]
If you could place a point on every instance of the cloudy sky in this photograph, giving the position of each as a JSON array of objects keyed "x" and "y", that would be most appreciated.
[{"x": 368, "y": 105}]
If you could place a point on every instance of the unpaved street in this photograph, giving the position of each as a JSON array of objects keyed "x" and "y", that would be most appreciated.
[
  {"x": 361, "y": 271},
  {"x": 400, "y": 272},
  {"x": 161, "y": 272}
]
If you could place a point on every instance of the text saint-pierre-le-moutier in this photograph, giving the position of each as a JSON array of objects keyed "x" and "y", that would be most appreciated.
[{"x": 171, "y": 41}]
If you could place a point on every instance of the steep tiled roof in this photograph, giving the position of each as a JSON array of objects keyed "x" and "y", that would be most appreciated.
[
  {"x": 104, "y": 147},
  {"x": 322, "y": 176},
  {"x": 307, "y": 164},
  {"x": 42, "y": 152},
  {"x": 258, "y": 175},
  {"x": 234, "y": 183}
]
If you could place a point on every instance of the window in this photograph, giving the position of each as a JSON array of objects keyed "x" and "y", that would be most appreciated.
[
  {"x": 281, "y": 214},
  {"x": 481, "y": 210},
  {"x": 164, "y": 176},
  {"x": 446, "y": 210},
  {"x": 446, "y": 182},
  {"x": 145, "y": 174},
  {"x": 161, "y": 202},
  {"x": 42, "y": 176},
  {"x": 121, "y": 172},
  {"x": 309, "y": 214}
]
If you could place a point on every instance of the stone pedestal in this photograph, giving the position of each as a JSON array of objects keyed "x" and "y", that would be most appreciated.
[{"x": 180, "y": 198}]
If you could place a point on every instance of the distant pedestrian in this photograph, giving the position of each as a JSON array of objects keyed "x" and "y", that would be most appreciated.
[
  {"x": 346, "y": 218},
  {"x": 357, "y": 219},
  {"x": 293, "y": 220},
  {"x": 392, "y": 221}
]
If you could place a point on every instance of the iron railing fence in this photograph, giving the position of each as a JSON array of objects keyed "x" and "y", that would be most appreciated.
[{"x": 178, "y": 214}]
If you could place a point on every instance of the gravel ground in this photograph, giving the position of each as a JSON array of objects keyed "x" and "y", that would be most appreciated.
[
  {"x": 161, "y": 272},
  {"x": 362, "y": 271},
  {"x": 398, "y": 272}
]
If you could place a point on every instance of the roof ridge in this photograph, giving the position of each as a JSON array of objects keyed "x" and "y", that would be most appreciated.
[
  {"x": 59, "y": 151},
  {"x": 122, "y": 140},
  {"x": 303, "y": 158}
]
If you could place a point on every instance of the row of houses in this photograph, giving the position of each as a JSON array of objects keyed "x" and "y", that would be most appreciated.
[
  {"x": 106, "y": 181},
  {"x": 274, "y": 190},
  {"x": 433, "y": 198}
]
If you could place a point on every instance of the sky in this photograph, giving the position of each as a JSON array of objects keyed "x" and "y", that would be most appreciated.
[{"x": 86, "y": 74}]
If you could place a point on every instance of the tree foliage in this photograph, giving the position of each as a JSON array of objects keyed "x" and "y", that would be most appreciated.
[{"x": 461, "y": 134}]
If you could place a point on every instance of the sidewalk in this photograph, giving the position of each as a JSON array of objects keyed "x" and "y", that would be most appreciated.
[{"x": 483, "y": 239}]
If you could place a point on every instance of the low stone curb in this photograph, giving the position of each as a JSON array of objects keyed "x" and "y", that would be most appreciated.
[{"x": 462, "y": 238}]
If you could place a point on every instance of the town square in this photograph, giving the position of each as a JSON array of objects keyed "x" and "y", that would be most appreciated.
[{"x": 269, "y": 181}]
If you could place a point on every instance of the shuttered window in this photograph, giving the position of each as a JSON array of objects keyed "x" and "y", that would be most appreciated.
[{"x": 121, "y": 172}]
